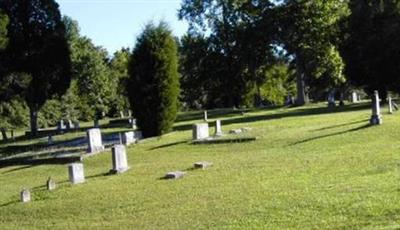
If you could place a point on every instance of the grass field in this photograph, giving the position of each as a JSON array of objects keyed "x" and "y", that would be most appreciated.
[{"x": 310, "y": 168}]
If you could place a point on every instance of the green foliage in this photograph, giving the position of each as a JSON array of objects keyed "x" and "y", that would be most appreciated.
[
  {"x": 279, "y": 84},
  {"x": 50, "y": 113},
  {"x": 309, "y": 31},
  {"x": 371, "y": 45},
  {"x": 37, "y": 48},
  {"x": 14, "y": 114},
  {"x": 3, "y": 30},
  {"x": 153, "y": 85},
  {"x": 119, "y": 76},
  {"x": 94, "y": 88},
  {"x": 231, "y": 43}
]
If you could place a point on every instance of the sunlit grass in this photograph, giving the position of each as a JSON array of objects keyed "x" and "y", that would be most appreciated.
[{"x": 308, "y": 169}]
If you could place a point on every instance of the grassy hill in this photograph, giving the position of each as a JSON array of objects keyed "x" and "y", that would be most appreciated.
[{"x": 310, "y": 168}]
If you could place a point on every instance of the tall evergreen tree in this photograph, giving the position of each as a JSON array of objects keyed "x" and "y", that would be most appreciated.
[
  {"x": 38, "y": 51},
  {"x": 153, "y": 85}
]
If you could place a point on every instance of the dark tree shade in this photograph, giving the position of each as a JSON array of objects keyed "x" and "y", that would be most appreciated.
[
  {"x": 153, "y": 85},
  {"x": 38, "y": 49}
]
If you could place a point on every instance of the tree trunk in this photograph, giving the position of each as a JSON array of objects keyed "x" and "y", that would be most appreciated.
[
  {"x": 302, "y": 98},
  {"x": 33, "y": 112},
  {"x": 4, "y": 134}
]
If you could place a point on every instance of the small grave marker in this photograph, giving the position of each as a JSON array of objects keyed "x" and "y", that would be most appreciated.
[
  {"x": 390, "y": 105},
  {"x": 51, "y": 184},
  {"x": 205, "y": 115},
  {"x": 119, "y": 159},
  {"x": 25, "y": 195},
  {"x": 218, "y": 129},
  {"x": 175, "y": 175},
  {"x": 76, "y": 173},
  {"x": 376, "y": 117},
  {"x": 202, "y": 165}
]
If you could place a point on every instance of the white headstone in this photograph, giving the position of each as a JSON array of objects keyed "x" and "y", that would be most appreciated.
[
  {"x": 205, "y": 115},
  {"x": 202, "y": 165},
  {"x": 354, "y": 97},
  {"x": 119, "y": 159},
  {"x": 390, "y": 105},
  {"x": 200, "y": 131},
  {"x": 95, "y": 143},
  {"x": 128, "y": 138},
  {"x": 51, "y": 184},
  {"x": 76, "y": 173},
  {"x": 218, "y": 129},
  {"x": 25, "y": 195},
  {"x": 174, "y": 175},
  {"x": 331, "y": 99},
  {"x": 376, "y": 118}
]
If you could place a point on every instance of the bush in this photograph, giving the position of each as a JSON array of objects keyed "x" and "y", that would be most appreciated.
[{"x": 153, "y": 84}]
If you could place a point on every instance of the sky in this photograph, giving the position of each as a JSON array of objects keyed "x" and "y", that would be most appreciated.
[{"x": 114, "y": 24}]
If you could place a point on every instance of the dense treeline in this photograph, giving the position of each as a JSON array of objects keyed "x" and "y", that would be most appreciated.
[{"x": 235, "y": 53}]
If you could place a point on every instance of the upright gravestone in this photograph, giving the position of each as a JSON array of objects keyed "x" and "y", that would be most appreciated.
[
  {"x": 25, "y": 195},
  {"x": 50, "y": 140},
  {"x": 128, "y": 138},
  {"x": 119, "y": 159},
  {"x": 390, "y": 105},
  {"x": 200, "y": 131},
  {"x": 205, "y": 115},
  {"x": 376, "y": 118},
  {"x": 69, "y": 124},
  {"x": 60, "y": 126},
  {"x": 95, "y": 144},
  {"x": 331, "y": 99},
  {"x": 218, "y": 129},
  {"x": 138, "y": 135},
  {"x": 51, "y": 184},
  {"x": 76, "y": 173},
  {"x": 354, "y": 97}
]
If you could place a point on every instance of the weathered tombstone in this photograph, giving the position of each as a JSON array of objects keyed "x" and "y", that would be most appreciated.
[
  {"x": 376, "y": 118},
  {"x": 95, "y": 144},
  {"x": 132, "y": 123},
  {"x": 129, "y": 113},
  {"x": 202, "y": 165},
  {"x": 331, "y": 99},
  {"x": 25, "y": 195},
  {"x": 121, "y": 114},
  {"x": 235, "y": 131},
  {"x": 174, "y": 175},
  {"x": 128, "y": 138},
  {"x": 61, "y": 126},
  {"x": 390, "y": 105},
  {"x": 51, "y": 184},
  {"x": 50, "y": 140},
  {"x": 69, "y": 125},
  {"x": 4, "y": 133},
  {"x": 76, "y": 173},
  {"x": 76, "y": 124},
  {"x": 119, "y": 159},
  {"x": 200, "y": 131},
  {"x": 218, "y": 129},
  {"x": 205, "y": 115},
  {"x": 354, "y": 97}
]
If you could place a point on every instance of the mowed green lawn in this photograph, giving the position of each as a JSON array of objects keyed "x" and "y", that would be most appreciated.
[{"x": 311, "y": 168}]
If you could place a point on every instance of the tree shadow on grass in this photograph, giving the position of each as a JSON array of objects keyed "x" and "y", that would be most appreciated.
[
  {"x": 341, "y": 125},
  {"x": 168, "y": 145},
  {"x": 331, "y": 134},
  {"x": 285, "y": 114}
]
